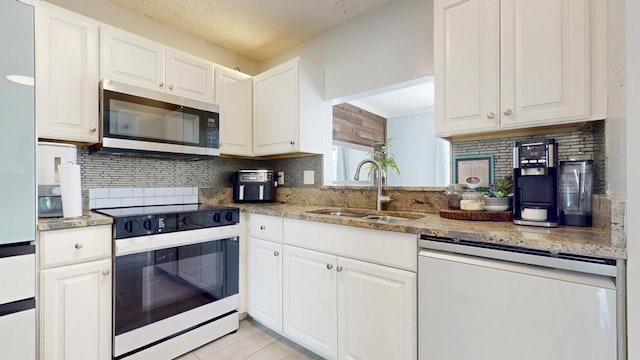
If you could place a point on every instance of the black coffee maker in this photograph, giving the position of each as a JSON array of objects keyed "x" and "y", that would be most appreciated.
[{"x": 535, "y": 181}]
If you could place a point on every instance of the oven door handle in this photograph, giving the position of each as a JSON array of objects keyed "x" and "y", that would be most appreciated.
[{"x": 161, "y": 241}]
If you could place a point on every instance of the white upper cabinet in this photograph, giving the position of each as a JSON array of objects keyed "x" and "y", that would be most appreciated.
[
  {"x": 515, "y": 64},
  {"x": 544, "y": 62},
  {"x": 138, "y": 61},
  {"x": 234, "y": 94},
  {"x": 289, "y": 112},
  {"x": 467, "y": 67},
  {"x": 67, "y": 64},
  {"x": 188, "y": 76}
]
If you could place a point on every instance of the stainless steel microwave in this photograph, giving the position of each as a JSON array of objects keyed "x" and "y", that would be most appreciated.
[{"x": 140, "y": 121}]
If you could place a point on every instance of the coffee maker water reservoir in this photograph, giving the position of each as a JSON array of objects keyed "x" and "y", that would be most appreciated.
[{"x": 576, "y": 180}]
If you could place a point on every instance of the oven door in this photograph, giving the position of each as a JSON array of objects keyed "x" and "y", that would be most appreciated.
[{"x": 163, "y": 289}]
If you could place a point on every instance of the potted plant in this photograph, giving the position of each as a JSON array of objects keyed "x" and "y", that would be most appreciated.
[
  {"x": 498, "y": 197},
  {"x": 382, "y": 155}
]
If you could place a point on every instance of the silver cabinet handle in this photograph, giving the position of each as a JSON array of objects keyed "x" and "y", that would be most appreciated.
[
  {"x": 170, "y": 87},
  {"x": 491, "y": 115},
  {"x": 329, "y": 266},
  {"x": 78, "y": 246},
  {"x": 106, "y": 272},
  {"x": 92, "y": 130},
  {"x": 161, "y": 84},
  {"x": 262, "y": 227},
  {"x": 339, "y": 269},
  {"x": 275, "y": 253},
  {"x": 507, "y": 112}
]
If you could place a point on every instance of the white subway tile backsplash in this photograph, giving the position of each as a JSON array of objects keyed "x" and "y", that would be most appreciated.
[
  {"x": 121, "y": 196},
  {"x": 107, "y": 203},
  {"x": 102, "y": 193},
  {"x": 165, "y": 191},
  {"x": 174, "y": 200},
  {"x": 182, "y": 191},
  {"x": 154, "y": 201},
  {"x": 120, "y": 192},
  {"x": 190, "y": 199},
  {"x": 134, "y": 201}
]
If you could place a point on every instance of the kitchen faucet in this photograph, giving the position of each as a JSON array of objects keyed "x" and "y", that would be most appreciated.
[{"x": 380, "y": 199}]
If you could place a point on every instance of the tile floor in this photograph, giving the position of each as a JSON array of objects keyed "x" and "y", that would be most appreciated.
[{"x": 252, "y": 341}]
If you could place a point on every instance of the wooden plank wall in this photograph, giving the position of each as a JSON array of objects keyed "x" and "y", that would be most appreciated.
[{"x": 354, "y": 125}]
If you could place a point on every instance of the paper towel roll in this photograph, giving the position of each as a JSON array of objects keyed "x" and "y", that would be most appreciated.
[{"x": 71, "y": 190}]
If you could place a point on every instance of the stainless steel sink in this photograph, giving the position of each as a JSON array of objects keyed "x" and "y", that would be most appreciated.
[{"x": 378, "y": 216}]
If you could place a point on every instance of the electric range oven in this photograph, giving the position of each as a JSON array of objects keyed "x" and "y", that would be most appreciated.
[{"x": 176, "y": 273}]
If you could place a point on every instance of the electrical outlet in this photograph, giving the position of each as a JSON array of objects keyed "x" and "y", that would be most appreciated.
[
  {"x": 280, "y": 178},
  {"x": 309, "y": 176}
]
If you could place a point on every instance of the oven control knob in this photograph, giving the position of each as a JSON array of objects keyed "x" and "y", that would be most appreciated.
[
  {"x": 187, "y": 220},
  {"x": 131, "y": 226},
  {"x": 228, "y": 216},
  {"x": 217, "y": 217},
  {"x": 147, "y": 224}
]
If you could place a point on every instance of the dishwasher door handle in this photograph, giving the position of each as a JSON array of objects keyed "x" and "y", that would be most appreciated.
[{"x": 540, "y": 271}]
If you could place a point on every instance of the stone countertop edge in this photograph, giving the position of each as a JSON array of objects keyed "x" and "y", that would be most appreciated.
[
  {"x": 563, "y": 239},
  {"x": 89, "y": 219}
]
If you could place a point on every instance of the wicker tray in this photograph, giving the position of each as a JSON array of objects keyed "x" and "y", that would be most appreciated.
[{"x": 477, "y": 215}]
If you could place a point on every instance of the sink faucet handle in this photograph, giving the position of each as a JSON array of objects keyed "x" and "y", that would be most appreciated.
[{"x": 384, "y": 198}]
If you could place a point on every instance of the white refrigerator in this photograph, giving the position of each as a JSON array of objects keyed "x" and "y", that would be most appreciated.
[{"x": 17, "y": 182}]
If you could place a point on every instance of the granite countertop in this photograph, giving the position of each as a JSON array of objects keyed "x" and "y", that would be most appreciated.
[
  {"x": 566, "y": 239},
  {"x": 89, "y": 219}
]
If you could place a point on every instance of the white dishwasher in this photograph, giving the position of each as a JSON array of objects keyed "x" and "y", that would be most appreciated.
[{"x": 481, "y": 301}]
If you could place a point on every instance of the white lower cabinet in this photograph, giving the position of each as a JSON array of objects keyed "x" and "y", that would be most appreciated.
[
  {"x": 309, "y": 300},
  {"x": 265, "y": 282},
  {"x": 75, "y": 293},
  {"x": 377, "y": 314},
  {"x": 343, "y": 308},
  {"x": 76, "y": 316},
  {"x": 340, "y": 291}
]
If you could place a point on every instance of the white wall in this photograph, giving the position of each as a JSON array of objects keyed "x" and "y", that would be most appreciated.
[
  {"x": 616, "y": 100},
  {"x": 123, "y": 18},
  {"x": 390, "y": 45},
  {"x": 632, "y": 12},
  {"x": 418, "y": 152}
]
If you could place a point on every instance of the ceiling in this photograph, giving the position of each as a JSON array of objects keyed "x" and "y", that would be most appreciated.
[{"x": 257, "y": 29}]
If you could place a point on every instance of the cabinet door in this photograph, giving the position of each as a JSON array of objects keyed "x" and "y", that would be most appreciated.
[
  {"x": 67, "y": 72},
  {"x": 276, "y": 110},
  {"x": 265, "y": 283},
  {"x": 188, "y": 76},
  {"x": 18, "y": 335},
  {"x": 309, "y": 300},
  {"x": 75, "y": 311},
  {"x": 467, "y": 68},
  {"x": 234, "y": 93},
  {"x": 131, "y": 59},
  {"x": 545, "y": 62},
  {"x": 377, "y": 316}
]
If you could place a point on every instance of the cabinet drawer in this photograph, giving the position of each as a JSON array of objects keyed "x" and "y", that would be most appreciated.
[
  {"x": 68, "y": 246},
  {"x": 265, "y": 227}
]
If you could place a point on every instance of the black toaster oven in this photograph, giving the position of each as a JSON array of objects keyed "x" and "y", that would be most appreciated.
[{"x": 254, "y": 186}]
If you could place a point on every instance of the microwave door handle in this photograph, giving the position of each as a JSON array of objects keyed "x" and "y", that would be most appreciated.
[
  {"x": 261, "y": 197},
  {"x": 241, "y": 193}
]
